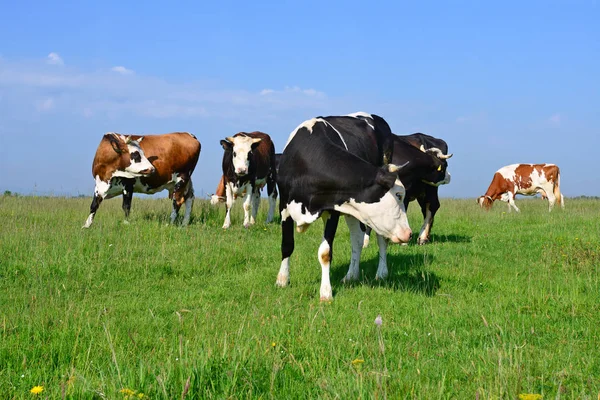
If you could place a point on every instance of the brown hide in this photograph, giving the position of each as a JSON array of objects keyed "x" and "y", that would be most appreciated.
[{"x": 170, "y": 153}]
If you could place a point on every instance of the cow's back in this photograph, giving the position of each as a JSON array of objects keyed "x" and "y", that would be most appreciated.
[{"x": 170, "y": 153}]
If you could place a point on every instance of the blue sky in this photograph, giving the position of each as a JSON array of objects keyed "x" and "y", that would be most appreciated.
[{"x": 501, "y": 82}]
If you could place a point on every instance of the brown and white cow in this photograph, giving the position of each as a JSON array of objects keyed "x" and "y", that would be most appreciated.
[
  {"x": 125, "y": 164},
  {"x": 248, "y": 165},
  {"x": 525, "y": 179}
]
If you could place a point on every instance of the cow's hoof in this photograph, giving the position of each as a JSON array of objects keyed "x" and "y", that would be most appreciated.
[
  {"x": 225, "y": 226},
  {"x": 349, "y": 279},
  {"x": 421, "y": 242},
  {"x": 282, "y": 281},
  {"x": 326, "y": 299}
]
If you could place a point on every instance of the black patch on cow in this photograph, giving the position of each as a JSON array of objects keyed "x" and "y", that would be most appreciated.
[{"x": 135, "y": 156}]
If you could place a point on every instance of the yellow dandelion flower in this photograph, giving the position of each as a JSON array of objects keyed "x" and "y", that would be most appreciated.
[
  {"x": 273, "y": 344},
  {"x": 37, "y": 389},
  {"x": 357, "y": 361},
  {"x": 127, "y": 392},
  {"x": 140, "y": 395},
  {"x": 526, "y": 396}
]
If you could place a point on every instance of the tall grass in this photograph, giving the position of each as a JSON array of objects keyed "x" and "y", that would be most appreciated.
[{"x": 500, "y": 304}]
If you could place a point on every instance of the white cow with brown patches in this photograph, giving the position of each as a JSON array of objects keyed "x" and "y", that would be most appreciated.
[
  {"x": 127, "y": 164},
  {"x": 525, "y": 179}
]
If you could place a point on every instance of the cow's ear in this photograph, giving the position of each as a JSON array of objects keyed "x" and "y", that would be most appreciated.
[
  {"x": 386, "y": 178},
  {"x": 255, "y": 143},
  {"x": 115, "y": 141},
  {"x": 227, "y": 145}
]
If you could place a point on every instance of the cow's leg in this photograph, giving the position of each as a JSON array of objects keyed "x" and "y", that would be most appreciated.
[
  {"x": 550, "y": 196},
  {"x": 272, "y": 194},
  {"x": 287, "y": 248},
  {"x": 325, "y": 254},
  {"x": 228, "y": 205},
  {"x": 367, "y": 236},
  {"x": 127, "y": 197},
  {"x": 189, "y": 204},
  {"x": 356, "y": 240},
  {"x": 511, "y": 202},
  {"x": 382, "y": 269},
  {"x": 429, "y": 206},
  {"x": 255, "y": 205},
  {"x": 100, "y": 192},
  {"x": 247, "y": 206},
  {"x": 179, "y": 194},
  {"x": 93, "y": 208}
]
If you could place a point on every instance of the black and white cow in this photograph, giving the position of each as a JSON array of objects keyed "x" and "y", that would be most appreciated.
[
  {"x": 148, "y": 164},
  {"x": 427, "y": 170},
  {"x": 248, "y": 165},
  {"x": 332, "y": 166}
]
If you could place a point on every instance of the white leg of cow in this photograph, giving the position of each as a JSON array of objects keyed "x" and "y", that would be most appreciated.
[
  {"x": 356, "y": 241},
  {"x": 426, "y": 228},
  {"x": 189, "y": 203},
  {"x": 548, "y": 191},
  {"x": 247, "y": 207},
  {"x": 366, "y": 240},
  {"x": 271, "y": 213},
  {"x": 100, "y": 192},
  {"x": 511, "y": 202},
  {"x": 562, "y": 202},
  {"x": 283, "y": 277},
  {"x": 228, "y": 205},
  {"x": 325, "y": 261},
  {"x": 382, "y": 269},
  {"x": 255, "y": 205}
]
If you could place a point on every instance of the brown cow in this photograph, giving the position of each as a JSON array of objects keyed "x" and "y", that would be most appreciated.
[
  {"x": 125, "y": 164},
  {"x": 248, "y": 165},
  {"x": 525, "y": 179}
]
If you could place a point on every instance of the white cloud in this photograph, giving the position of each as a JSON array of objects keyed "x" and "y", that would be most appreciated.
[
  {"x": 54, "y": 59},
  {"x": 98, "y": 94},
  {"x": 46, "y": 104},
  {"x": 555, "y": 119},
  {"x": 122, "y": 70}
]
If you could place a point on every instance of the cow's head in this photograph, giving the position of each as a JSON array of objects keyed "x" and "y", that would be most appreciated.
[
  {"x": 242, "y": 147},
  {"x": 383, "y": 207},
  {"x": 485, "y": 202},
  {"x": 132, "y": 161},
  {"x": 440, "y": 174}
]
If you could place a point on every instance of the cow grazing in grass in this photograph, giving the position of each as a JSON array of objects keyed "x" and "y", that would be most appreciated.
[
  {"x": 426, "y": 171},
  {"x": 127, "y": 164},
  {"x": 248, "y": 165},
  {"x": 332, "y": 166},
  {"x": 525, "y": 179}
]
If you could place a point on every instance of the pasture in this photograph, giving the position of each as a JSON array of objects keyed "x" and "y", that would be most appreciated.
[{"x": 497, "y": 306}]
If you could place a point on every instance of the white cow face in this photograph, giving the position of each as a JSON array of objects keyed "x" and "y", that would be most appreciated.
[
  {"x": 387, "y": 216},
  {"x": 134, "y": 162},
  {"x": 139, "y": 165},
  {"x": 242, "y": 147}
]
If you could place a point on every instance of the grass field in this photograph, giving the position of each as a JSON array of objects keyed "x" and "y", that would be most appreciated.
[{"x": 499, "y": 305}]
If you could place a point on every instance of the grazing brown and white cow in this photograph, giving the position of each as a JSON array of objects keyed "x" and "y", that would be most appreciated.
[
  {"x": 125, "y": 164},
  {"x": 525, "y": 179},
  {"x": 248, "y": 165}
]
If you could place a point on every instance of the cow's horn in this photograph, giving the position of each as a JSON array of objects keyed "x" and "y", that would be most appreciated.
[{"x": 395, "y": 168}]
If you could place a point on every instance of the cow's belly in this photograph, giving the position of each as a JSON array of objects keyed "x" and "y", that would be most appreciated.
[
  {"x": 140, "y": 187},
  {"x": 529, "y": 191}
]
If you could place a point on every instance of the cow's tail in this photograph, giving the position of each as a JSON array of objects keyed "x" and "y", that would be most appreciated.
[{"x": 557, "y": 194}]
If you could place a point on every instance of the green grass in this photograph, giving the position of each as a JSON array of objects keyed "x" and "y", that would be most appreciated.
[{"x": 498, "y": 305}]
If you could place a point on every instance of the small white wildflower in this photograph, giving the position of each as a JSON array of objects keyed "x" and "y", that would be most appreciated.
[{"x": 378, "y": 320}]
